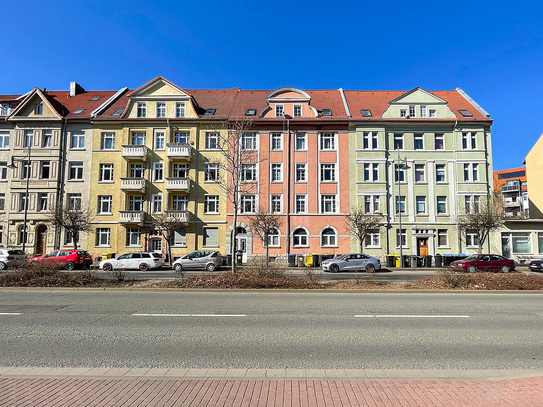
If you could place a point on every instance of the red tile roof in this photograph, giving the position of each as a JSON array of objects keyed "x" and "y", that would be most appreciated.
[{"x": 80, "y": 101}]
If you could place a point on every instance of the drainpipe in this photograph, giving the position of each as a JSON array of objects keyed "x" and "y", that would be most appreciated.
[{"x": 61, "y": 175}]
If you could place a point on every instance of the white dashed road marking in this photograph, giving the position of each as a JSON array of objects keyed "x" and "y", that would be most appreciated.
[
  {"x": 412, "y": 316},
  {"x": 188, "y": 315}
]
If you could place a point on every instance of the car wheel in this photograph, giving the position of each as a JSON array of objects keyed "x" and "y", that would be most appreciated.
[
  {"x": 210, "y": 267},
  {"x": 505, "y": 268},
  {"x": 3, "y": 265},
  {"x": 370, "y": 268},
  {"x": 144, "y": 267},
  {"x": 334, "y": 268},
  {"x": 69, "y": 265},
  {"x": 178, "y": 267},
  {"x": 107, "y": 267},
  {"x": 471, "y": 269}
]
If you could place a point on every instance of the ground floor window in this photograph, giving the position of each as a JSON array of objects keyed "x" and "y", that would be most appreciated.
[
  {"x": 442, "y": 238},
  {"x": 373, "y": 239},
  {"x": 273, "y": 238},
  {"x": 211, "y": 236},
  {"x": 472, "y": 239},
  {"x": 133, "y": 237},
  {"x": 180, "y": 237},
  {"x": 299, "y": 237},
  {"x": 401, "y": 237},
  {"x": 103, "y": 237},
  {"x": 328, "y": 237},
  {"x": 517, "y": 243}
]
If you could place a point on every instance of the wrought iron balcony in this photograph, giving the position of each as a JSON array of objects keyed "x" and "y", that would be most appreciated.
[
  {"x": 133, "y": 184},
  {"x": 133, "y": 152},
  {"x": 179, "y": 151},
  {"x": 178, "y": 184}
]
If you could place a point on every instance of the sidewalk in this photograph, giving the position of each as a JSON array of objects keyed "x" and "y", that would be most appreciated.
[{"x": 268, "y": 387}]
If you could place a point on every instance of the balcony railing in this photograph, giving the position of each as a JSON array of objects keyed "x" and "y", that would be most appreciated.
[
  {"x": 178, "y": 184},
  {"x": 183, "y": 151},
  {"x": 135, "y": 152},
  {"x": 133, "y": 184},
  {"x": 514, "y": 186},
  {"x": 132, "y": 217},
  {"x": 179, "y": 216},
  {"x": 511, "y": 204}
]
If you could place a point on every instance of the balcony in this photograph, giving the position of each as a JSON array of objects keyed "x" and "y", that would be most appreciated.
[
  {"x": 179, "y": 216},
  {"x": 178, "y": 184},
  {"x": 179, "y": 151},
  {"x": 131, "y": 152},
  {"x": 511, "y": 187},
  {"x": 131, "y": 217},
  {"x": 133, "y": 184},
  {"x": 511, "y": 204}
]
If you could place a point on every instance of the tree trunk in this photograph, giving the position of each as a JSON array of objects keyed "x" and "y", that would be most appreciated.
[
  {"x": 362, "y": 245},
  {"x": 267, "y": 250},
  {"x": 168, "y": 243},
  {"x": 233, "y": 242}
]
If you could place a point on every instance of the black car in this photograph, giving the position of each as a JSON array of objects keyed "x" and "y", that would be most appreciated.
[{"x": 536, "y": 265}]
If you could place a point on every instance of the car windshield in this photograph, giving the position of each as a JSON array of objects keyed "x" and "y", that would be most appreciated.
[{"x": 472, "y": 257}]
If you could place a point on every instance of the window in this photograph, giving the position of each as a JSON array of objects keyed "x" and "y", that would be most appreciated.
[
  {"x": 400, "y": 204},
  {"x": 301, "y": 172},
  {"x": 371, "y": 172},
  {"x": 183, "y": 137},
  {"x": 3, "y": 170},
  {"x": 297, "y": 111},
  {"x": 299, "y": 237},
  {"x": 403, "y": 113},
  {"x": 365, "y": 112},
  {"x": 439, "y": 141},
  {"x": 276, "y": 141},
  {"x": 411, "y": 111},
  {"x": 78, "y": 140},
  {"x": 137, "y": 170},
  {"x": 398, "y": 141},
  {"x": 22, "y": 236},
  {"x": 45, "y": 169},
  {"x": 158, "y": 171},
  {"x": 4, "y": 139},
  {"x": 2, "y": 202},
  {"x": 133, "y": 237},
  {"x": 211, "y": 237},
  {"x": 471, "y": 203},
  {"x": 522, "y": 243},
  {"x": 46, "y": 139},
  {"x": 118, "y": 112},
  {"x": 248, "y": 141},
  {"x": 328, "y": 204},
  {"x": 371, "y": 204},
  {"x": 420, "y": 175},
  {"x": 328, "y": 237},
  {"x": 108, "y": 141},
  {"x": 156, "y": 203},
  {"x": 441, "y": 205},
  {"x": 373, "y": 239},
  {"x": 401, "y": 237},
  {"x": 433, "y": 113},
  {"x": 23, "y": 202},
  {"x": 211, "y": 204},
  {"x": 42, "y": 202},
  {"x": 180, "y": 171},
  {"x": 75, "y": 170},
  {"x": 328, "y": 172},
  {"x": 180, "y": 109},
  {"x": 327, "y": 112},
  {"x": 440, "y": 173},
  {"x": 73, "y": 201},
  {"x": 135, "y": 203},
  {"x": 279, "y": 110},
  {"x": 210, "y": 112},
  {"x": 300, "y": 141},
  {"x": 470, "y": 172},
  {"x": 160, "y": 138},
  {"x": 78, "y": 111},
  {"x": 442, "y": 238},
  {"x": 211, "y": 172},
  {"x": 138, "y": 139},
  {"x": 327, "y": 141},
  {"x": 105, "y": 203},
  {"x": 160, "y": 109},
  {"x": 469, "y": 140},
  {"x": 250, "y": 112},
  {"x": 26, "y": 169},
  {"x": 29, "y": 138},
  {"x": 69, "y": 237},
  {"x": 179, "y": 203},
  {"x": 212, "y": 141},
  {"x": 300, "y": 201},
  {"x": 103, "y": 237},
  {"x": 248, "y": 172},
  {"x": 276, "y": 204},
  {"x": 106, "y": 173},
  {"x": 399, "y": 172},
  {"x": 39, "y": 109},
  {"x": 472, "y": 239},
  {"x": 248, "y": 203},
  {"x": 141, "y": 109},
  {"x": 180, "y": 237},
  {"x": 273, "y": 238},
  {"x": 423, "y": 112},
  {"x": 421, "y": 204},
  {"x": 418, "y": 141},
  {"x": 370, "y": 140},
  {"x": 276, "y": 172}
]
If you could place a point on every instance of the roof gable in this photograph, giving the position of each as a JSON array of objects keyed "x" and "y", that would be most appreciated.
[
  {"x": 159, "y": 88},
  {"x": 28, "y": 108},
  {"x": 418, "y": 95}
]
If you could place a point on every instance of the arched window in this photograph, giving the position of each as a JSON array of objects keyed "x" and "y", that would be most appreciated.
[
  {"x": 240, "y": 230},
  {"x": 299, "y": 237},
  {"x": 273, "y": 238},
  {"x": 22, "y": 234},
  {"x": 328, "y": 237}
]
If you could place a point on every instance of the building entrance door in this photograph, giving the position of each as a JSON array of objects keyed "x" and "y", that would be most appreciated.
[
  {"x": 41, "y": 239},
  {"x": 241, "y": 244},
  {"x": 156, "y": 245},
  {"x": 422, "y": 246}
]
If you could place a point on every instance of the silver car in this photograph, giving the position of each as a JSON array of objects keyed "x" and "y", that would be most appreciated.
[
  {"x": 11, "y": 258},
  {"x": 352, "y": 262},
  {"x": 208, "y": 260}
]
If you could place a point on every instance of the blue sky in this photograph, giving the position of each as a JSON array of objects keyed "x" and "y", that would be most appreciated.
[{"x": 492, "y": 50}]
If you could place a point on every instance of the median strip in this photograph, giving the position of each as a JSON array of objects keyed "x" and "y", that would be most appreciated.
[
  {"x": 412, "y": 316},
  {"x": 189, "y": 315}
]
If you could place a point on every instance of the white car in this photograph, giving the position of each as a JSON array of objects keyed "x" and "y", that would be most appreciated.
[
  {"x": 137, "y": 260},
  {"x": 352, "y": 262},
  {"x": 11, "y": 258}
]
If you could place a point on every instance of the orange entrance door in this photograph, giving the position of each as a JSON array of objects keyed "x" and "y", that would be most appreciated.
[{"x": 422, "y": 246}]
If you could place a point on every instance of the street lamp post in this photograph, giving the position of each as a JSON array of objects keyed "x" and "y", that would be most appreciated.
[
  {"x": 25, "y": 164},
  {"x": 402, "y": 165}
]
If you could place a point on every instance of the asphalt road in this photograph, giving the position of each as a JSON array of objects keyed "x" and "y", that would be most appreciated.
[{"x": 271, "y": 330}]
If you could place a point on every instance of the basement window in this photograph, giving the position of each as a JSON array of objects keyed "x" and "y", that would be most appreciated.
[
  {"x": 327, "y": 112},
  {"x": 365, "y": 112},
  {"x": 465, "y": 113}
]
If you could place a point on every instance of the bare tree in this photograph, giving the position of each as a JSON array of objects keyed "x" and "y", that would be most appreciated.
[
  {"x": 483, "y": 219},
  {"x": 166, "y": 223},
  {"x": 238, "y": 167},
  {"x": 361, "y": 223},
  {"x": 264, "y": 224},
  {"x": 75, "y": 220}
]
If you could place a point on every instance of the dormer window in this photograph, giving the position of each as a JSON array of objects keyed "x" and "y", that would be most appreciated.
[
  {"x": 141, "y": 109},
  {"x": 160, "y": 109},
  {"x": 39, "y": 109},
  {"x": 403, "y": 113},
  {"x": 423, "y": 111},
  {"x": 210, "y": 112},
  {"x": 411, "y": 111},
  {"x": 327, "y": 112},
  {"x": 250, "y": 112},
  {"x": 279, "y": 111},
  {"x": 180, "y": 109},
  {"x": 432, "y": 113},
  {"x": 297, "y": 111}
]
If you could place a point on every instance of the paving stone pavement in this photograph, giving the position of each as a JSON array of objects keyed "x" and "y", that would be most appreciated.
[{"x": 28, "y": 386}]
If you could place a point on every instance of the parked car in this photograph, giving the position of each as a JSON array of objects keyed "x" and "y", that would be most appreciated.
[
  {"x": 536, "y": 265},
  {"x": 352, "y": 262},
  {"x": 209, "y": 260},
  {"x": 136, "y": 260},
  {"x": 68, "y": 259},
  {"x": 484, "y": 262},
  {"x": 11, "y": 258}
]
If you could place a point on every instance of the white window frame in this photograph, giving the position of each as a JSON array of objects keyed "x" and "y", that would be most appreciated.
[
  {"x": 180, "y": 171},
  {"x": 133, "y": 237},
  {"x": 141, "y": 109},
  {"x": 418, "y": 137},
  {"x": 442, "y": 233},
  {"x": 180, "y": 203},
  {"x": 42, "y": 202},
  {"x": 212, "y": 140},
  {"x": 472, "y": 240},
  {"x": 444, "y": 166},
  {"x": 274, "y": 238},
  {"x": 28, "y": 140},
  {"x": 443, "y": 202},
  {"x": 432, "y": 113},
  {"x": 179, "y": 135},
  {"x": 300, "y": 240},
  {"x": 180, "y": 109},
  {"x": 249, "y": 142},
  {"x": 328, "y": 199},
  {"x": 369, "y": 140},
  {"x": 331, "y": 239},
  {"x": 327, "y": 141},
  {"x": 469, "y": 140},
  {"x": 401, "y": 235},
  {"x": 211, "y": 172},
  {"x": 276, "y": 203},
  {"x": 279, "y": 110},
  {"x": 400, "y": 204},
  {"x": 247, "y": 203},
  {"x": 300, "y": 138},
  {"x": 398, "y": 142},
  {"x": 327, "y": 169},
  {"x": 106, "y": 168},
  {"x": 276, "y": 141},
  {"x": 103, "y": 233},
  {"x": 77, "y": 138},
  {"x": 105, "y": 202},
  {"x": 73, "y": 201},
  {"x": 251, "y": 170},
  {"x": 135, "y": 203},
  {"x": 423, "y": 112},
  {"x": 156, "y": 203},
  {"x": 295, "y": 107},
  {"x": 77, "y": 168},
  {"x": 158, "y": 171},
  {"x": 372, "y": 204},
  {"x": 136, "y": 169},
  {"x": 301, "y": 172},
  {"x": 211, "y": 202},
  {"x": 439, "y": 137},
  {"x": 420, "y": 199},
  {"x": 471, "y": 172},
  {"x": 276, "y": 172},
  {"x": 159, "y": 140},
  {"x": 420, "y": 169},
  {"x": 4, "y": 139},
  {"x": 160, "y": 109},
  {"x": 412, "y": 111},
  {"x": 47, "y": 139},
  {"x": 373, "y": 239},
  {"x": 370, "y": 172},
  {"x": 105, "y": 137},
  {"x": 3, "y": 170},
  {"x": 299, "y": 200}
]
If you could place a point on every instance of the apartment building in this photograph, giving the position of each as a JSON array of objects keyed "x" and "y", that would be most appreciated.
[{"x": 512, "y": 186}]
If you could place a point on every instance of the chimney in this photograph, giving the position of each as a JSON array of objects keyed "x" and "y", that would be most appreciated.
[{"x": 75, "y": 88}]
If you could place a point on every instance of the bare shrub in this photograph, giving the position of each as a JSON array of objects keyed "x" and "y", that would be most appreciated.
[
  {"x": 453, "y": 279},
  {"x": 118, "y": 275},
  {"x": 259, "y": 268},
  {"x": 312, "y": 274},
  {"x": 39, "y": 274}
]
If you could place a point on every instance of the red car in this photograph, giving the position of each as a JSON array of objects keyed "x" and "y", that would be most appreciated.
[
  {"x": 68, "y": 259},
  {"x": 484, "y": 262}
]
